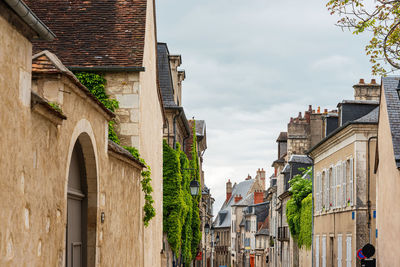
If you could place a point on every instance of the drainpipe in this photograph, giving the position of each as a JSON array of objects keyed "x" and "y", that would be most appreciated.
[
  {"x": 174, "y": 124},
  {"x": 31, "y": 19},
  {"x": 312, "y": 211},
  {"x": 369, "y": 178}
]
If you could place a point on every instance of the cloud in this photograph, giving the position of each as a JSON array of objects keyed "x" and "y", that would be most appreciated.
[{"x": 250, "y": 66}]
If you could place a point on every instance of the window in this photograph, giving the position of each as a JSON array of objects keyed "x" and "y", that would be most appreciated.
[
  {"x": 324, "y": 251},
  {"x": 317, "y": 192},
  {"x": 339, "y": 251},
  {"x": 317, "y": 251},
  {"x": 344, "y": 172},
  {"x": 331, "y": 187},
  {"x": 349, "y": 181},
  {"x": 338, "y": 183},
  {"x": 348, "y": 251},
  {"x": 323, "y": 190}
]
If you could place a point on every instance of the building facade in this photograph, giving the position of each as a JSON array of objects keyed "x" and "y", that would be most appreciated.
[{"x": 344, "y": 199}]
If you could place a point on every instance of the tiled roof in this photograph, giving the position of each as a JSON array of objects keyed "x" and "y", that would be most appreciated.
[
  {"x": 393, "y": 108},
  {"x": 94, "y": 33},
  {"x": 286, "y": 169},
  {"x": 223, "y": 218},
  {"x": 165, "y": 76},
  {"x": 48, "y": 63}
]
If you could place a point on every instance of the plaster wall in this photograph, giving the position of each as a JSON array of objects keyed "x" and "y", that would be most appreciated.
[
  {"x": 34, "y": 170},
  {"x": 305, "y": 257},
  {"x": 388, "y": 193},
  {"x": 151, "y": 136}
]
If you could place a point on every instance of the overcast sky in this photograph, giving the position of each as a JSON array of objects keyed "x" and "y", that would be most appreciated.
[{"x": 250, "y": 66}]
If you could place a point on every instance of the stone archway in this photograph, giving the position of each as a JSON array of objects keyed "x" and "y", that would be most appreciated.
[{"x": 81, "y": 204}]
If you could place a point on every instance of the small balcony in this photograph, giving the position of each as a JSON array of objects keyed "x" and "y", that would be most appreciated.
[{"x": 283, "y": 233}]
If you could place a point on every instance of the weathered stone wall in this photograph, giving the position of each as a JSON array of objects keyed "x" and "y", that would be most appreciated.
[
  {"x": 34, "y": 165},
  {"x": 125, "y": 87}
]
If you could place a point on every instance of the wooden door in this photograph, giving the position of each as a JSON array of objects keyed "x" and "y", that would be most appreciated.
[{"x": 76, "y": 212}]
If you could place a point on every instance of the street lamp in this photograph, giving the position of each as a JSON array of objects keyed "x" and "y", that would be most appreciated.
[{"x": 194, "y": 188}]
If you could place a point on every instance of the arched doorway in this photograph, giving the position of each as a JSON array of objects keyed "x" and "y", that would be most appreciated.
[{"x": 81, "y": 205}]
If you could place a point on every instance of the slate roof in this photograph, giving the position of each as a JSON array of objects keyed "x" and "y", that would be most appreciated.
[
  {"x": 46, "y": 62},
  {"x": 248, "y": 200},
  {"x": 200, "y": 127},
  {"x": 165, "y": 76},
  {"x": 300, "y": 159},
  {"x": 94, "y": 33},
  {"x": 389, "y": 85},
  {"x": 369, "y": 118},
  {"x": 223, "y": 218},
  {"x": 282, "y": 137},
  {"x": 263, "y": 231},
  {"x": 286, "y": 169}
]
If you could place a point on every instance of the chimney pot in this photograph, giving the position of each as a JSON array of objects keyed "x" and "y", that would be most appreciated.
[
  {"x": 361, "y": 81},
  {"x": 319, "y": 110},
  {"x": 326, "y": 110},
  {"x": 373, "y": 81}
]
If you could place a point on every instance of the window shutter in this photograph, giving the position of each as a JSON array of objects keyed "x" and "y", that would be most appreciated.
[
  {"x": 317, "y": 251},
  {"x": 320, "y": 193},
  {"x": 316, "y": 195},
  {"x": 339, "y": 198},
  {"x": 333, "y": 188},
  {"x": 339, "y": 251},
  {"x": 348, "y": 251},
  {"x": 344, "y": 184},
  {"x": 324, "y": 251},
  {"x": 327, "y": 184},
  {"x": 351, "y": 182}
]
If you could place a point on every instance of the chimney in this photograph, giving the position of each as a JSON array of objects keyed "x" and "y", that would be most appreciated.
[
  {"x": 228, "y": 190},
  {"x": 261, "y": 177},
  {"x": 367, "y": 91},
  {"x": 248, "y": 177},
  {"x": 258, "y": 196},
  {"x": 238, "y": 198}
]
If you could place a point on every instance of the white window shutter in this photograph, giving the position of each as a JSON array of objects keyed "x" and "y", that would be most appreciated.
[
  {"x": 316, "y": 190},
  {"x": 348, "y": 251},
  {"x": 339, "y": 251},
  {"x": 327, "y": 185},
  {"x": 344, "y": 184},
  {"x": 323, "y": 251},
  {"x": 334, "y": 170},
  {"x": 316, "y": 246},
  {"x": 351, "y": 182},
  {"x": 338, "y": 184}
]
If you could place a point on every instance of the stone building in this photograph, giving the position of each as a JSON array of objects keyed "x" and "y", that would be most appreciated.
[
  {"x": 387, "y": 164},
  {"x": 344, "y": 199},
  {"x": 63, "y": 182},
  {"x": 117, "y": 39},
  {"x": 170, "y": 80},
  {"x": 302, "y": 133},
  {"x": 226, "y": 217}
]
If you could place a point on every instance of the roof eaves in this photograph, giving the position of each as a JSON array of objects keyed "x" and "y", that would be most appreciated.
[
  {"x": 108, "y": 68},
  {"x": 30, "y": 18}
]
